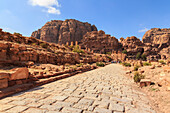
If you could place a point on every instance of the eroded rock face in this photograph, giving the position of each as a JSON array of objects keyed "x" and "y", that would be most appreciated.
[
  {"x": 131, "y": 42},
  {"x": 58, "y": 31},
  {"x": 133, "y": 45},
  {"x": 157, "y": 36},
  {"x": 99, "y": 42},
  {"x": 19, "y": 73},
  {"x": 158, "y": 41}
]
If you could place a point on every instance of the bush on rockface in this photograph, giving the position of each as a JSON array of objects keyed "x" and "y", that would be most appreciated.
[
  {"x": 109, "y": 53},
  {"x": 162, "y": 62},
  {"x": 43, "y": 45},
  {"x": 136, "y": 68},
  {"x": 17, "y": 34},
  {"x": 147, "y": 64},
  {"x": 138, "y": 56},
  {"x": 143, "y": 56},
  {"x": 124, "y": 51},
  {"x": 100, "y": 64},
  {"x": 80, "y": 65},
  {"x": 137, "y": 77},
  {"x": 78, "y": 50},
  {"x": 126, "y": 64}
]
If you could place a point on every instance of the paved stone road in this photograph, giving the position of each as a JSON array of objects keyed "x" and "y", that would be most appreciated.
[{"x": 103, "y": 90}]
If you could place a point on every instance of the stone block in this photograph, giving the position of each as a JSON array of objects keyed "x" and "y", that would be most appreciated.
[
  {"x": 4, "y": 75},
  {"x": 145, "y": 82},
  {"x": 3, "y": 83},
  {"x": 19, "y": 73}
]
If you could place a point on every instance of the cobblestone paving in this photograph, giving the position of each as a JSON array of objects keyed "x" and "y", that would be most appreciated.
[{"x": 104, "y": 90}]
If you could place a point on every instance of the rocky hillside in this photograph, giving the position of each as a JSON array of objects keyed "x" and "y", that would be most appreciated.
[
  {"x": 157, "y": 36},
  {"x": 16, "y": 49},
  {"x": 60, "y": 32},
  {"x": 99, "y": 42}
]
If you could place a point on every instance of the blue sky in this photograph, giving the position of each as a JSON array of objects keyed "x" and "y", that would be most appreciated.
[{"x": 120, "y": 18}]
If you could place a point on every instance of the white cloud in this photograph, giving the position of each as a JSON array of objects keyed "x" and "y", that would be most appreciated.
[
  {"x": 143, "y": 30},
  {"x": 49, "y": 4},
  {"x": 53, "y": 10}
]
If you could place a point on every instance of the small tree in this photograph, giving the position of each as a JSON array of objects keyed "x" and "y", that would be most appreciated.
[
  {"x": 143, "y": 56},
  {"x": 136, "y": 68},
  {"x": 138, "y": 56},
  {"x": 137, "y": 77},
  {"x": 162, "y": 62},
  {"x": 124, "y": 51},
  {"x": 109, "y": 53}
]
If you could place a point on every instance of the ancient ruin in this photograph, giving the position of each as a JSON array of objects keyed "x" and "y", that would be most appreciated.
[{"x": 61, "y": 49}]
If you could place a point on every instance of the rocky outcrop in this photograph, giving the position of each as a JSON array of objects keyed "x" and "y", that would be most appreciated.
[
  {"x": 21, "y": 51},
  {"x": 58, "y": 31},
  {"x": 131, "y": 42},
  {"x": 99, "y": 42},
  {"x": 157, "y": 43},
  {"x": 132, "y": 45},
  {"x": 157, "y": 36}
]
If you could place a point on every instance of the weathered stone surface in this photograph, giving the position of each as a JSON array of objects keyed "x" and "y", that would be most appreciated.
[
  {"x": 58, "y": 31},
  {"x": 99, "y": 42},
  {"x": 132, "y": 45},
  {"x": 4, "y": 75},
  {"x": 116, "y": 107},
  {"x": 157, "y": 36},
  {"x": 3, "y": 83},
  {"x": 19, "y": 73},
  {"x": 145, "y": 82},
  {"x": 115, "y": 92}
]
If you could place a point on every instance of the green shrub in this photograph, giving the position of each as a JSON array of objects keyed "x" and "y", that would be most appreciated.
[
  {"x": 43, "y": 45},
  {"x": 79, "y": 65},
  {"x": 136, "y": 68},
  {"x": 138, "y": 56},
  {"x": 147, "y": 64},
  {"x": 162, "y": 62},
  {"x": 124, "y": 51},
  {"x": 33, "y": 44},
  {"x": 109, "y": 53},
  {"x": 109, "y": 57},
  {"x": 137, "y": 77},
  {"x": 143, "y": 56},
  {"x": 100, "y": 64},
  {"x": 126, "y": 64},
  {"x": 71, "y": 47},
  {"x": 17, "y": 34},
  {"x": 78, "y": 50}
]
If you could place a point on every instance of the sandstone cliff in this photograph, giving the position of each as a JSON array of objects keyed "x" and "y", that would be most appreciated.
[
  {"x": 157, "y": 36},
  {"x": 58, "y": 31},
  {"x": 16, "y": 49},
  {"x": 99, "y": 42}
]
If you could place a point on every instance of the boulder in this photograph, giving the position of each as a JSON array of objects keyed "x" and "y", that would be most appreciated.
[
  {"x": 145, "y": 82},
  {"x": 19, "y": 73}
]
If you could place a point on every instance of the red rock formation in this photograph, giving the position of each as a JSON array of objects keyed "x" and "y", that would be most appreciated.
[
  {"x": 157, "y": 36},
  {"x": 132, "y": 45},
  {"x": 58, "y": 31},
  {"x": 99, "y": 42}
]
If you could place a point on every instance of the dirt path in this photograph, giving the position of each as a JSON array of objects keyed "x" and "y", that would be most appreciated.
[{"x": 104, "y": 90}]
